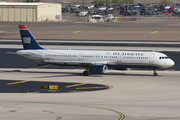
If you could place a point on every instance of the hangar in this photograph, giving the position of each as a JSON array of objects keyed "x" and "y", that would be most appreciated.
[{"x": 29, "y": 12}]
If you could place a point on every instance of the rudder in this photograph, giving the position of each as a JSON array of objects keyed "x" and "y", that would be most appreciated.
[{"x": 28, "y": 40}]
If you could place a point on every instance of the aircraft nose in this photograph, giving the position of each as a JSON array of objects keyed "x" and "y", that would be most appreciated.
[{"x": 171, "y": 63}]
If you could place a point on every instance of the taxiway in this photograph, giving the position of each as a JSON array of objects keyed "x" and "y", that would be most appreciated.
[{"x": 137, "y": 95}]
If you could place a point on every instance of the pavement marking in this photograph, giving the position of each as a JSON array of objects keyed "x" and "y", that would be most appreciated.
[
  {"x": 122, "y": 116},
  {"x": 77, "y": 32},
  {"x": 34, "y": 68},
  {"x": 2, "y": 31},
  {"x": 33, "y": 92},
  {"x": 170, "y": 70},
  {"x": 17, "y": 82},
  {"x": 154, "y": 32},
  {"x": 76, "y": 85},
  {"x": 48, "y": 111},
  {"x": 91, "y": 87},
  {"x": 78, "y": 91}
]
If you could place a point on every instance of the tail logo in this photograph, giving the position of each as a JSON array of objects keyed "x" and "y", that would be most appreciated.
[{"x": 27, "y": 40}]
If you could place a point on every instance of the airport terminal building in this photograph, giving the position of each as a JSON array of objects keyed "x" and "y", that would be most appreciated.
[{"x": 29, "y": 12}]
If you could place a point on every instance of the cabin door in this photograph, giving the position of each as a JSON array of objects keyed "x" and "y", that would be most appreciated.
[
  {"x": 151, "y": 59},
  {"x": 41, "y": 56},
  {"x": 80, "y": 57},
  {"x": 119, "y": 59}
]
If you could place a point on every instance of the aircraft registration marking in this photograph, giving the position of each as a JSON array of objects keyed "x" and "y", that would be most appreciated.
[
  {"x": 18, "y": 82},
  {"x": 75, "y": 85}
]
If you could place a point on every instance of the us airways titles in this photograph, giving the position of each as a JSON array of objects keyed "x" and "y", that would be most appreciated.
[{"x": 132, "y": 54}]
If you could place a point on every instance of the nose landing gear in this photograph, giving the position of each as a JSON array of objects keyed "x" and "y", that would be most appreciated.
[{"x": 155, "y": 74}]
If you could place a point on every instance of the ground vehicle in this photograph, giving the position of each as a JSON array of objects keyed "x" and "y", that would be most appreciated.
[
  {"x": 107, "y": 12},
  {"x": 167, "y": 6},
  {"x": 171, "y": 10},
  {"x": 176, "y": 14},
  {"x": 130, "y": 13},
  {"x": 159, "y": 14},
  {"x": 76, "y": 5},
  {"x": 83, "y": 13},
  {"x": 121, "y": 12},
  {"x": 110, "y": 8},
  {"x": 102, "y": 12},
  {"x": 110, "y": 18},
  {"x": 143, "y": 12},
  {"x": 102, "y": 8},
  {"x": 77, "y": 13},
  {"x": 95, "y": 18},
  {"x": 65, "y": 10},
  {"x": 166, "y": 13},
  {"x": 88, "y": 7},
  {"x": 73, "y": 10},
  {"x": 133, "y": 19}
]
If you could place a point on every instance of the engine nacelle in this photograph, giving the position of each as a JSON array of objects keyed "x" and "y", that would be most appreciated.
[{"x": 98, "y": 69}]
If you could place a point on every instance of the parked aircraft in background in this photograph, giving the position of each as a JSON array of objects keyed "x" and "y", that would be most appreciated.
[{"x": 94, "y": 61}]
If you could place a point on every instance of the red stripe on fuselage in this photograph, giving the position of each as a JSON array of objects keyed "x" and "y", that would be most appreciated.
[{"x": 22, "y": 27}]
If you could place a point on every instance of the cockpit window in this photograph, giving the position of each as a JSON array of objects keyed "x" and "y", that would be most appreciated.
[{"x": 163, "y": 57}]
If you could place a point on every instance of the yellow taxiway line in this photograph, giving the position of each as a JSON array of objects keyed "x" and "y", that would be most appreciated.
[
  {"x": 77, "y": 32},
  {"x": 32, "y": 92},
  {"x": 154, "y": 32},
  {"x": 18, "y": 82},
  {"x": 121, "y": 115},
  {"x": 75, "y": 85},
  {"x": 92, "y": 87},
  {"x": 2, "y": 31}
]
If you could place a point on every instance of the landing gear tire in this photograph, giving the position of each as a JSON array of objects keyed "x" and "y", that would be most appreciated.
[
  {"x": 155, "y": 74},
  {"x": 85, "y": 73}
]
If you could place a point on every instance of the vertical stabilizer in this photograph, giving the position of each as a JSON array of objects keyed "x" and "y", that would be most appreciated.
[{"x": 28, "y": 40}]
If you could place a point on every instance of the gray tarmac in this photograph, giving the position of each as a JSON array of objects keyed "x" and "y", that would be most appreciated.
[
  {"x": 137, "y": 95},
  {"x": 163, "y": 30}
]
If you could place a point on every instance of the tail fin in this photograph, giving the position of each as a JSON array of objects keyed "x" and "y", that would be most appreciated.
[{"x": 28, "y": 40}]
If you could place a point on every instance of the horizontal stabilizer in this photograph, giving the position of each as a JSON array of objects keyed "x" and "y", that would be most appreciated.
[{"x": 11, "y": 53}]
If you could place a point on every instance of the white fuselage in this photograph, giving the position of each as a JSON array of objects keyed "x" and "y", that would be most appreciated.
[{"x": 124, "y": 59}]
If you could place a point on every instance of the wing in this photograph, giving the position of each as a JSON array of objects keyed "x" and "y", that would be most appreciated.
[{"x": 80, "y": 63}]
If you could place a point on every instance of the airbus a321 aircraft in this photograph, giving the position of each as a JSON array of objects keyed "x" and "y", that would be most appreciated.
[{"x": 94, "y": 61}]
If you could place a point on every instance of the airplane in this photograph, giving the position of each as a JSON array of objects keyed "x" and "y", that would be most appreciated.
[{"x": 94, "y": 61}]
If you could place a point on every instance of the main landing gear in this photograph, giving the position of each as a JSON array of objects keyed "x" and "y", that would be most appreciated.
[
  {"x": 85, "y": 73},
  {"x": 155, "y": 74}
]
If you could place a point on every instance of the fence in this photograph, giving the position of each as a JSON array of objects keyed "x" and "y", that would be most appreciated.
[{"x": 118, "y": 19}]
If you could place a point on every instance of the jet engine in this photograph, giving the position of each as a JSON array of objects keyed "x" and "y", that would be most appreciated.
[{"x": 98, "y": 69}]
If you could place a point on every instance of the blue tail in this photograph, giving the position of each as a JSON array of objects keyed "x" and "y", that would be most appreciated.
[{"x": 28, "y": 40}]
